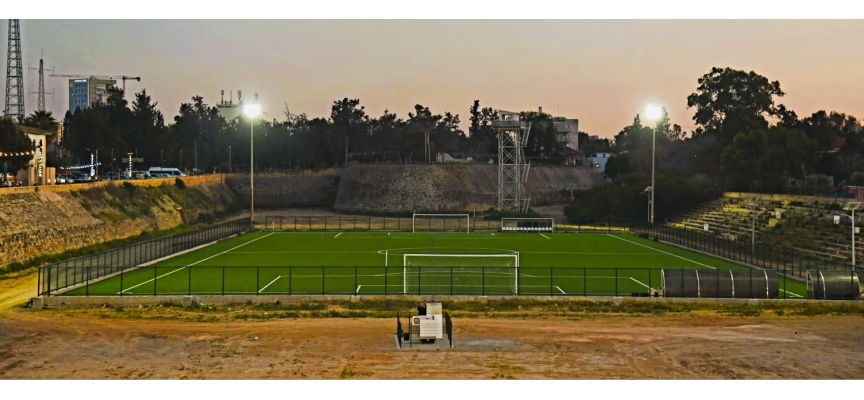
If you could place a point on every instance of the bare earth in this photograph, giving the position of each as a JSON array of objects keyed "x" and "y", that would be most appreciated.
[{"x": 59, "y": 345}]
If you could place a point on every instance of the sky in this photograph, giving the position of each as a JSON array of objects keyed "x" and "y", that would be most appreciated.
[{"x": 602, "y": 72}]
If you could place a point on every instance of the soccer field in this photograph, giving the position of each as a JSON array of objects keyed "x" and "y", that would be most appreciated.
[{"x": 374, "y": 263}]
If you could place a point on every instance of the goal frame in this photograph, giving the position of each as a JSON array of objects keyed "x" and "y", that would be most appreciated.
[
  {"x": 551, "y": 228},
  {"x": 515, "y": 256},
  {"x": 466, "y": 216}
]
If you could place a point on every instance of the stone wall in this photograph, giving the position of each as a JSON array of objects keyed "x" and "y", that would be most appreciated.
[
  {"x": 280, "y": 190},
  {"x": 52, "y": 219},
  {"x": 445, "y": 188}
]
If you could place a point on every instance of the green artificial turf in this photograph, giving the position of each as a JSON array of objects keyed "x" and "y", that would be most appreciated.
[{"x": 354, "y": 263}]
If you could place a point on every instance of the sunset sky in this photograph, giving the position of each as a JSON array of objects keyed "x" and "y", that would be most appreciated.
[{"x": 601, "y": 72}]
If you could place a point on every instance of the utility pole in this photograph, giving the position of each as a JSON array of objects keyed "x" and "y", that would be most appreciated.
[
  {"x": 40, "y": 92},
  {"x": 754, "y": 201}
]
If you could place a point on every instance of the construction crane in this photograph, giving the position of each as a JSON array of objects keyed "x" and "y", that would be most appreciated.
[{"x": 81, "y": 76}]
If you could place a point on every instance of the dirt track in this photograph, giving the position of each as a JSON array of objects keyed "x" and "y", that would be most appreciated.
[{"x": 50, "y": 344}]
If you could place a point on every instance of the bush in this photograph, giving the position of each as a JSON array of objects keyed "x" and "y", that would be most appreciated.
[
  {"x": 179, "y": 183},
  {"x": 128, "y": 185}
]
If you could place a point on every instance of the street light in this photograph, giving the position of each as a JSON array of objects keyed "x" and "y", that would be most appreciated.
[
  {"x": 754, "y": 202},
  {"x": 251, "y": 111},
  {"x": 653, "y": 113},
  {"x": 161, "y": 159},
  {"x": 229, "y": 159},
  {"x": 852, "y": 206}
]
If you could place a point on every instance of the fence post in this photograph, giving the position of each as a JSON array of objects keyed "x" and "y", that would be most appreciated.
[
  {"x": 355, "y": 279},
  {"x": 155, "y": 277},
  {"x": 386, "y": 282},
  {"x": 121, "y": 282},
  {"x": 223, "y": 280},
  {"x": 322, "y": 280},
  {"x": 290, "y": 279},
  {"x": 483, "y": 283},
  {"x": 585, "y": 281},
  {"x": 257, "y": 280},
  {"x": 616, "y": 281},
  {"x": 87, "y": 285},
  {"x": 551, "y": 282},
  {"x": 189, "y": 278},
  {"x": 451, "y": 280}
]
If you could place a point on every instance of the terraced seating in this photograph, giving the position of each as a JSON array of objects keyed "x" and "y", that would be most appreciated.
[{"x": 731, "y": 217}]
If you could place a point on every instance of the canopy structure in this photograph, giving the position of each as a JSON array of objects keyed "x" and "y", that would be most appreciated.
[
  {"x": 833, "y": 285},
  {"x": 717, "y": 283}
]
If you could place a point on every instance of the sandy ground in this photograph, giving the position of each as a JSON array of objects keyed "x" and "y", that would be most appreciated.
[{"x": 51, "y": 344}]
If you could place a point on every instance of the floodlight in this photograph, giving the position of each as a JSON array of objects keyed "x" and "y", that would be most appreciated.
[
  {"x": 251, "y": 110},
  {"x": 653, "y": 112}
]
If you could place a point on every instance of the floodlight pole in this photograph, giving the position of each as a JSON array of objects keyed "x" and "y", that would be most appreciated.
[
  {"x": 852, "y": 208},
  {"x": 252, "y": 172},
  {"x": 653, "y": 159}
]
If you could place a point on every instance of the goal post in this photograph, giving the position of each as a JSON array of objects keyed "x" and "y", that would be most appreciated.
[
  {"x": 460, "y": 273},
  {"x": 527, "y": 224},
  {"x": 440, "y": 223}
]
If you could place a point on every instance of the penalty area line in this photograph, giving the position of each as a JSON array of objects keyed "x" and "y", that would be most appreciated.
[
  {"x": 639, "y": 282},
  {"x": 357, "y": 291},
  {"x": 547, "y": 237},
  {"x": 337, "y": 235},
  {"x": 793, "y": 294},
  {"x": 559, "y": 289}
]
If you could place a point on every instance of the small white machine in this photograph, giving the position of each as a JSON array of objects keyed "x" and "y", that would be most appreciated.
[{"x": 430, "y": 326}]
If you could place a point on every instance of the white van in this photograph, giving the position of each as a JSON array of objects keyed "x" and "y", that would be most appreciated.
[{"x": 170, "y": 171}]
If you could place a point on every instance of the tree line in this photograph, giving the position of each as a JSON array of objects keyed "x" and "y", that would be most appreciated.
[
  {"x": 199, "y": 137},
  {"x": 743, "y": 141}
]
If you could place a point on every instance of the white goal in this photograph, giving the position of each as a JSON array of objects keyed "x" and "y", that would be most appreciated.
[
  {"x": 441, "y": 223},
  {"x": 461, "y": 273},
  {"x": 527, "y": 224}
]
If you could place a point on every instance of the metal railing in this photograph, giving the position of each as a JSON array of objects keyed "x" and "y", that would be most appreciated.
[
  {"x": 81, "y": 271},
  {"x": 157, "y": 280},
  {"x": 787, "y": 262},
  {"x": 366, "y": 224}
]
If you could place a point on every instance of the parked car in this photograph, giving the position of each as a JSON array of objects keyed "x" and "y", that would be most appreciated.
[{"x": 171, "y": 172}]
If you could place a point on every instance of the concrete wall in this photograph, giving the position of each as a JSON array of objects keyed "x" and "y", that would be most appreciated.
[
  {"x": 186, "y": 301},
  {"x": 51, "y": 219}
]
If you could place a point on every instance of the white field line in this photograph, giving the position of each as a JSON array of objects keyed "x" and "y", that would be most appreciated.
[
  {"x": 358, "y": 289},
  {"x": 547, "y": 237},
  {"x": 196, "y": 262},
  {"x": 337, "y": 235},
  {"x": 637, "y": 281},
  {"x": 661, "y": 251},
  {"x": 271, "y": 282},
  {"x": 493, "y": 233},
  {"x": 792, "y": 294},
  {"x": 559, "y": 289}
]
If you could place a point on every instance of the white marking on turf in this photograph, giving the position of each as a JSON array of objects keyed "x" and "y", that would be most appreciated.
[
  {"x": 559, "y": 289},
  {"x": 196, "y": 262},
  {"x": 637, "y": 281},
  {"x": 337, "y": 235},
  {"x": 793, "y": 294},
  {"x": 271, "y": 282},
  {"x": 547, "y": 237},
  {"x": 661, "y": 251},
  {"x": 358, "y": 289}
]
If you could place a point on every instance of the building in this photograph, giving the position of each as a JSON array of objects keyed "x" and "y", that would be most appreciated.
[
  {"x": 229, "y": 109},
  {"x": 568, "y": 131},
  {"x": 36, "y": 172},
  {"x": 85, "y": 92},
  {"x": 598, "y": 160}
]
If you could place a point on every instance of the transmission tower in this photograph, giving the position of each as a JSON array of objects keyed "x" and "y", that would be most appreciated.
[
  {"x": 512, "y": 168},
  {"x": 41, "y": 91},
  {"x": 14, "y": 74}
]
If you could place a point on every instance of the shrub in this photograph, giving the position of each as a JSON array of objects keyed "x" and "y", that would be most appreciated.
[{"x": 179, "y": 183}]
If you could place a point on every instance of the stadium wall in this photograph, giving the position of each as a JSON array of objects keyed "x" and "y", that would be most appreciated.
[
  {"x": 53, "y": 219},
  {"x": 281, "y": 190}
]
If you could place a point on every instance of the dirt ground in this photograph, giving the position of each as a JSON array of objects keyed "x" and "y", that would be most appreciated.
[{"x": 55, "y": 344}]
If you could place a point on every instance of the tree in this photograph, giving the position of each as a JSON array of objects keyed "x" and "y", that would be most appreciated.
[
  {"x": 349, "y": 120},
  {"x": 422, "y": 122},
  {"x": 12, "y": 141},
  {"x": 482, "y": 138},
  {"x": 729, "y": 102},
  {"x": 43, "y": 120}
]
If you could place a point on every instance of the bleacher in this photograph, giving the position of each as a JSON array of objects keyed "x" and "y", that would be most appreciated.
[{"x": 730, "y": 217}]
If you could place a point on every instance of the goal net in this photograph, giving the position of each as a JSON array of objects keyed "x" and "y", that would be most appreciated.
[
  {"x": 461, "y": 273},
  {"x": 441, "y": 223},
  {"x": 528, "y": 225}
]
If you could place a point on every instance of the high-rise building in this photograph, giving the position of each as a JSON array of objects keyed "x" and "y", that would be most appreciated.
[{"x": 85, "y": 92}]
